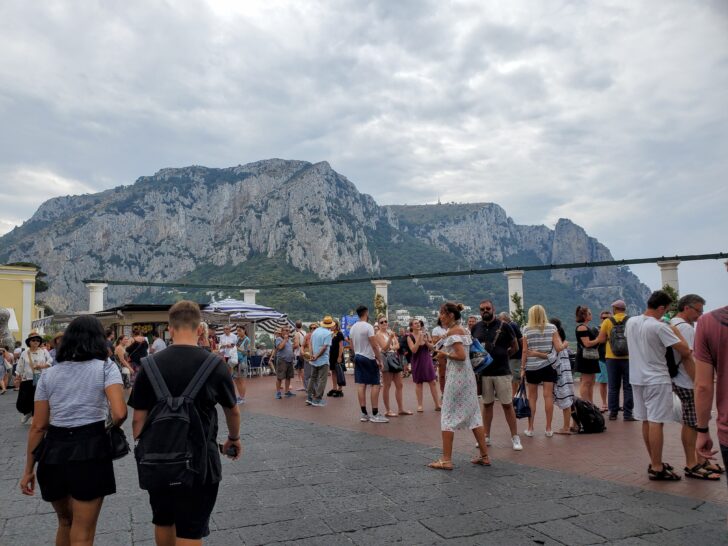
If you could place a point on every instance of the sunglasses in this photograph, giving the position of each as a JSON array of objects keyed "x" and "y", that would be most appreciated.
[
  {"x": 486, "y": 308},
  {"x": 383, "y": 322}
]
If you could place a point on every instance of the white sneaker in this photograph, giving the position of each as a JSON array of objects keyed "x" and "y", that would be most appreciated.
[
  {"x": 25, "y": 418},
  {"x": 364, "y": 417},
  {"x": 549, "y": 434},
  {"x": 378, "y": 419},
  {"x": 516, "y": 443},
  {"x": 529, "y": 433},
  {"x": 487, "y": 440}
]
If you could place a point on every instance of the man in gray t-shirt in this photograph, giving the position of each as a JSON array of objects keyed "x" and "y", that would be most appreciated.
[{"x": 284, "y": 362}]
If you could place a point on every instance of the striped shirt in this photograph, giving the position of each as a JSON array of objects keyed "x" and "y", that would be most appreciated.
[
  {"x": 541, "y": 342},
  {"x": 75, "y": 391}
]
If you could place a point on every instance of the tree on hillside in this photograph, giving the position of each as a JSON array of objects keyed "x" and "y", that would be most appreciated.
[{"x": 518, "y": 315}]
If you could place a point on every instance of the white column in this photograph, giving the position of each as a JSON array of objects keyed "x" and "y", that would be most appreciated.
[
  {"x": 515, "y": 286},
  {"x": 249, "y": 295},
  {"x": 96, "y": 296},
  {"x": 381, "y": 288},
  {"x": 668, "y": 272},
  {"x": 27, "y": 317}
]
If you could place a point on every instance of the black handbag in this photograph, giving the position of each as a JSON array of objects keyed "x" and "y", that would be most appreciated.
[
  {"x": 393, "y": 363},
  {"x": 119, "y": 444},
  {"x": 340, "y": 375},
  {"x": 520, "y": 402}
]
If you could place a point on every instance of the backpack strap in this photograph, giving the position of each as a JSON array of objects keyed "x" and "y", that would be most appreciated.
[
  {"x": 203, "y": 372},
  {"x": 161, "y": 390},
  {"x": 613, "y": 321}
]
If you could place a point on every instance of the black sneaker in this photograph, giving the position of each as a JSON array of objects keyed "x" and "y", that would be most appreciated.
[
  {"x": 331, "y": 393},
  {"x": 629, "y": 418},
  {"x": 339, "y": 394},
  {"x": 612, "y": 416}
]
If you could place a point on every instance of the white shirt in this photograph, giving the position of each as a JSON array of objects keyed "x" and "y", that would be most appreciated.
[
  {"x": 29, "y": 360},
  {"x": 359, "y": 335},
  {"x": 439, "y": 331},
  {"x": 158, "y": 345},
  {"x": 230, "y": 352},
  {"x": 648, "y": 338},
  {"x": 682, "y": 379}
]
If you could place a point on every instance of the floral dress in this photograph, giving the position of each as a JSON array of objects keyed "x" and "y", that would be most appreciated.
[{"x": 460, "y": 407}]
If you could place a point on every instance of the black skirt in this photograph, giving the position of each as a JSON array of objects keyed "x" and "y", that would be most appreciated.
[
  {"x": 26, "y": 397},
  {"x": 75, "y": 462}
]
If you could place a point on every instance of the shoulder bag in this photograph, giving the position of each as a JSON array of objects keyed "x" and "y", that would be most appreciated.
[{"x": 118, "y": 443}]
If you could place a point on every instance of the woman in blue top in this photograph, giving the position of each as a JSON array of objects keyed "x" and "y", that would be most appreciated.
[{"x": 68, "y": 436}]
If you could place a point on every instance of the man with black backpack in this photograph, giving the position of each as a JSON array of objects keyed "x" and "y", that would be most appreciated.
[
  {"x": 175, "y": 424},
  {"x": 612, "y": 332}
]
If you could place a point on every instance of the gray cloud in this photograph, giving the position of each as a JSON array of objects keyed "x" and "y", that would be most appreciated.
[{"x": 593, "y": 112}]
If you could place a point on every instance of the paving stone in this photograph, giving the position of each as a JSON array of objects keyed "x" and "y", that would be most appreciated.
[
  {"x": 462, "y": 525},
  {"x": 668, "y": 518},
  {"x": 277, "y": 532},
  {"x": 409, "y": 533},
  {"x": 588, "y": 504},
  {"x": 614, "y": 524},
  {"x": 258, "y": 516},
  {"x": 531, "y": 512},
  {"x": 354, "y": 521},
  {"x": 326, "y": 540},
  {"x": 292, "y": 495},
  {"x": 117, "y": 538},
  {"x": 705, "y": 533},
  {"x": 505, "y": 537},
  {"x": 566, "y": 532}
]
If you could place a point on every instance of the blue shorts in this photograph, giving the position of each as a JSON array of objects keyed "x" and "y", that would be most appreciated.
[
  {"x": 366, "y": 371},
  {"x": 602, "y": 375}
]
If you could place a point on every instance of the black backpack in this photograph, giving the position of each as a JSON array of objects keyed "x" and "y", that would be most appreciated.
[
  {"x": 618, "y": 337},
  {"x": 587, "y": 416},
  {"x": 672, "y": 365},
  {"x": 172, "y": 447}
]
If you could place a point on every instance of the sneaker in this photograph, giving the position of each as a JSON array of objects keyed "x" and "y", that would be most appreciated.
[
  {"x": 549, "y": 433},
  {"x": 301, "y": 389},
  {"x": 25, "y": 418},
  {"x": 239, "y": 400},
  {"x": 309, "y": 402},
  {"x": 378, "y": 419},
  {"x": 516, "y": 443},
  {"x": 331, "y": 393},
  {"x": 339, "y": 394},
  {"x": 629, "y": 418},
  {"x": 289, "y": 394},
  {"x": 318, "y": 403},
  {"x": 487, "y": 440},
  {"x": 364, "y": 417},
  {"x": 529, "y": 433},
  {"x": 278, "y": 395}
]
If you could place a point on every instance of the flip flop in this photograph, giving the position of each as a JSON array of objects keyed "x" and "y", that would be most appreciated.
[
  {"x": 439, "y": 464},
  {"x": 483, "y": 460},
  {"x": 405, "y": 412}
]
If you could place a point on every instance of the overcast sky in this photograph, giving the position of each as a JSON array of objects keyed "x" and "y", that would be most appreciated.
[{"x": 614, "y": 115}]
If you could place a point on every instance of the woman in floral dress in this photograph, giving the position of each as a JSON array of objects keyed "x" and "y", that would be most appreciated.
[{"x": 460, "y": 408}]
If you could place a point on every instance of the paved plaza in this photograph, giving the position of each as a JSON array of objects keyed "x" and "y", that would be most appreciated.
[{"x": 316, "y": 476}]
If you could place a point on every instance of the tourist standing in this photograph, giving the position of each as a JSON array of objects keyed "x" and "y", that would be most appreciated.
[
  {"x": 72, "y": 400},
  {"x": 298, "y": 340},
  {"x": 539, "y": 339},
  {"x": 438, "y": 332},
  {"x": 367, "y": 365},
  {"x": 284, "y": 363},
  {"x": 31, "y": 364},
  {"x": 241, "y": 370},
  {"x": 612, "y": 332},
  {"x": 648, "y": 338},
  {"x": 514, "y": 359},
  {"x": 122, "y": 360},
  {"x": 460, "y": 407},
  {"x": 6, "y": 368},
  {"x": 564, "y": 386},
  {"x": 391, "y": 368},
  {"x": 138, "y": 348},
  {"x": 158, "y": 343},
  {"x": 498, "y": 339},
  {"x": 228, "y": 347},
  {"x": 336, "y": 358},
  {"x": 306, "y": 353},
  {"x": 689, "y": 310},
  {"x": 602, "y": 378},
  {"x": 320, "y": 348},
  {"x": 587, "y": 353},
  {"x": 711, "y": 375},
  {"x": 203, "y": 340},
  {"x": 181, "y": 513},
  {"x": 423, "y": 369}
]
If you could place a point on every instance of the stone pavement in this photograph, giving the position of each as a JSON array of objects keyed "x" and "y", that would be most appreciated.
[{"x": 306, "y": 483}]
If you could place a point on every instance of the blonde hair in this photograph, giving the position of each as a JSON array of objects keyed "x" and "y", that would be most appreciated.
[{"x": 537, "y": 318}]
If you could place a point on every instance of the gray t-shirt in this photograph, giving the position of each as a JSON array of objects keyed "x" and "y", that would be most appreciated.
[
  {"x": 75, "y": 391},
  {"x": 287, "y": 352}
]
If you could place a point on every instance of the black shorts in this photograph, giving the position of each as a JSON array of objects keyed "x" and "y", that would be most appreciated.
[
  {"x": 298, "y": 363},
  {"x": 543, "y": 375},
  {"x": 80, "y": 480},
  {"x": 366, "y": 371},
  {"x": 187, "y": 508}
]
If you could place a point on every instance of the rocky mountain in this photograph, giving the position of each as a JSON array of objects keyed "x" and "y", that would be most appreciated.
[{"x": 294, "y": 220}]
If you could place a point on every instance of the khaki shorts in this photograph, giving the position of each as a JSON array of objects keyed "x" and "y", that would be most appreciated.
[
  {"x": 284, "y": 369},
  {"x": 497, "y": 386}
]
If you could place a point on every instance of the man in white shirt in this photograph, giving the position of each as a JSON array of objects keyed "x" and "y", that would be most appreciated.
[
  {"x": 367, "y": 365},
  {"x": 158, "y": 344},
  {"x": 689, "y": 310},
  {"x": 648, "y": 337},
  {"x": 228, "y": 347}
]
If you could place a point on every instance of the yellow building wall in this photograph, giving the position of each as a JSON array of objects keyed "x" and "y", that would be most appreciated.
[{"x": 11, "y": 292}]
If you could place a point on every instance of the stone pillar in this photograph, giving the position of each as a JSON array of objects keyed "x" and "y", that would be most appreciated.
[
  {"x": 249, "y": 295},
  {"x": 515, "y": 286},
  {"x": 668, "y": 274},
  {"x": 381, "y": 288},
  {"x": 27, "y": 318},
  {"x": 96, "y": 296}
]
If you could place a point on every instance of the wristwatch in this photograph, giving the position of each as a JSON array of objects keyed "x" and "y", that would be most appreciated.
[{"x": 702, "y": 429}]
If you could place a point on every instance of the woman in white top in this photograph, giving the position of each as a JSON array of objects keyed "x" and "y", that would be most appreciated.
[
  {"x": 460, "y": 406},
  {"x": 539, "y": 338},
  {"x": 68, "y": 436},
  {"x": 31, "y": 364}
]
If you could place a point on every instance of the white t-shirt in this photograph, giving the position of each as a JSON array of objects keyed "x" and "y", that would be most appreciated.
[
  {"x": 359, "y": 335},
  {"x": 230, "y": 352},
  {"x": 648, "y": 338},
  {"x": 682, "y": 379},
  {"x": 158, "y": 345},
  {"x": 439, "y": 331}
]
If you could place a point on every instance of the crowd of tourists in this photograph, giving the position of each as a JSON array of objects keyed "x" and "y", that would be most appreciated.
[{"x": 72, "y": 391}]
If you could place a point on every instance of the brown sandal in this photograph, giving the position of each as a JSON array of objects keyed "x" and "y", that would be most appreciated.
[
  {"x": 405, "y": 412},
  {"x": 483, "y": 460},
  {"x": 439, "y": 464}
]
